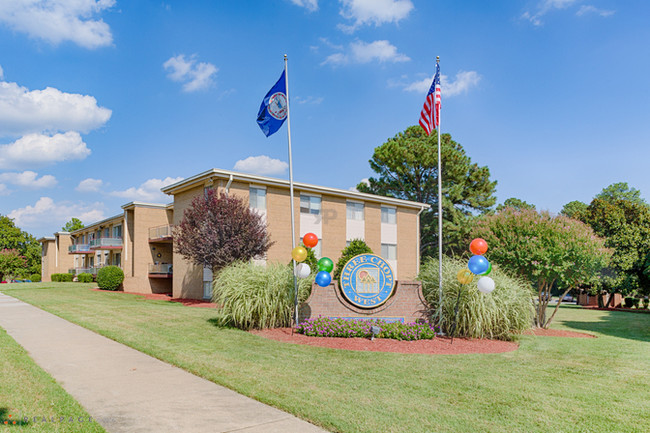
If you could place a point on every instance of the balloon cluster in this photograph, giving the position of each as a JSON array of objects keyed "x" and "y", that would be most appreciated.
[
  {"x": 477, "y": 265},
  {"x": 325, "y": 265}
]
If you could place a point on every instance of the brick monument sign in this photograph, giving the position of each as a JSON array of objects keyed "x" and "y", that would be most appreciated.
[{"x": 367, "y": 290}]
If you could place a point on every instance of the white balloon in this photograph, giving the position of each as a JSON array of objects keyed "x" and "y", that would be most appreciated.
[
  {"x": 302, "y": 270},
  {"x": 485, "y": 284}
]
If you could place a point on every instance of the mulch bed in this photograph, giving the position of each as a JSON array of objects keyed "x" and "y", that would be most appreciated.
[
  {"x": 437, "y": 346},
  {"x": 162, "y": 297}
]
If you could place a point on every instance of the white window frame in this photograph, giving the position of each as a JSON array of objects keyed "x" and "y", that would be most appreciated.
[
  {"x": 312, "y": 208},
  {"x": 250, "y": 197},
  {"x": 384, "y": 211},
  {"x": 352, "y": 207},
  {"x": 386, "y": 249}
]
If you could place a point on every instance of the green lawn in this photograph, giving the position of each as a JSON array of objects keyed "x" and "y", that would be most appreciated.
[
  {"x": 28, "y": 391},
  {"x": 547, "y": 385}
]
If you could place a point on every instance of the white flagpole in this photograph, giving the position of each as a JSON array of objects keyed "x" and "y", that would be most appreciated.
[
  {"x": 439, "y": 210},
  {"x": 293, "y": 218}
]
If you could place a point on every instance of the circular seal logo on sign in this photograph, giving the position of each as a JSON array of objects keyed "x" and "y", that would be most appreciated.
[
  {"x": 367, "y": 281},
  {"x": 278, "y": 105}
]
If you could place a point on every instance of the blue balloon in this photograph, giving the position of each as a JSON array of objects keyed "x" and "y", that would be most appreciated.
[
  {"x": 323, "y": 278},
  {"x": 478, "y": 264}
]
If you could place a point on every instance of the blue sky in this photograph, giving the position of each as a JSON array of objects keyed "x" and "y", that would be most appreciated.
[{"x": 104, "y": 102}]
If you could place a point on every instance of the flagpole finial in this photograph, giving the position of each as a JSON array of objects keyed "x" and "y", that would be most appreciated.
[
  {"x": 285, "y": 57},
  {"x": 437, "y": 59}
]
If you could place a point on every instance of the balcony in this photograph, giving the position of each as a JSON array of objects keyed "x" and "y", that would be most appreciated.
[
  {"x": 79, "y": 249},
  {"x": 91, "y": 270},
  {"x": 160, "y": 233},
  {"x": 160, "y": 270},
  {"x": 106, "y": 244}
]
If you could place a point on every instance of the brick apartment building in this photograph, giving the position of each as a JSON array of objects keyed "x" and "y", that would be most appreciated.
[{"x": 139, "y": 239}]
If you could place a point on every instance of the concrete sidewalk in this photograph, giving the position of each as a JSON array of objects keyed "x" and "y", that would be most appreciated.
[{"x": 127, "y": 391}]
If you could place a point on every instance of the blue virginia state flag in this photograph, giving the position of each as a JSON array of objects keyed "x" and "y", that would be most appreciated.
[{"x": 274, "y": 109}]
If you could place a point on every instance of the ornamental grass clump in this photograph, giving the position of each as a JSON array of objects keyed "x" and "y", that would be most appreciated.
[
  {"x": 256, "y": 297},
  {"x": 507, "y": 310},
  {"x": 328, "y": 327}
]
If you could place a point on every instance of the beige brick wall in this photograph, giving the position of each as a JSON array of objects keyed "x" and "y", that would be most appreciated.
[
  {"x": 188, "y": 278},
  {"x": 48, "y": 260},
  {"x": 407, "y": 243},
  {"x": 334, "y": 226},
  {"x": 278, "y": 216},
  {"x": 66, "y": 260}
]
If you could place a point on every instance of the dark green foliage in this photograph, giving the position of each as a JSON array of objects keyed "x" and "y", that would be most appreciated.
[
  {"x": 11, "y": 237},
  {"x": 72, "y": 225},
  {"x": 35, "y": 278},
  {"x": 621, "y": 191},
  {"x": 407, "y": 168},
  {"x": 574, "y": 209},
  {"x": 62, "y": 278},
  {"x": 85, "y": 278},
  {"x": 515, "y": 203},
  {"x": 110, "y": 278},
  {"x": 356, "y": 247}
]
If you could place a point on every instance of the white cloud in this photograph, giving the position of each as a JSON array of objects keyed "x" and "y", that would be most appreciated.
[
  {"x": 310, "y": 5},
  {"x": 194, "y": 76},
  {"x": 89, "y": 185},
  {"x": 544, "y": 7},
  {"x": 46, "y": 210},
  {"x": 464, "y": 81},
  {"x": 4, "y": 190},
  {"x": 366, "y": 52},
  {"x": 38, "y": 149},
  {"x": 588, "y": 9},
  {"x": 23, "y": 111},
  {"x": 59, "y": 20},
  {"x": 262, "y": 165},
  {"x": 375, "y": 12},
  {"x": 29, "y": 179},
  {"x": 149, "y": 191}
]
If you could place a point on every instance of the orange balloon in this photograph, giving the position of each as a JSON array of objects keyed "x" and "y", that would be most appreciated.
[
  {"x": 478, "y": 247},
  {"x": 465, "y": 276},
  {"x": 310, "y": 240}
]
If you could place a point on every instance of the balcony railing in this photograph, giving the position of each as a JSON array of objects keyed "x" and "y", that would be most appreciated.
[
  {"x": 106, "y": 243},
  {"x": 160, "y": 268},
  {"x": 79, "y": 248},
  {"x": 90, "y": 270},
  {"x": 160, "y": 233}
]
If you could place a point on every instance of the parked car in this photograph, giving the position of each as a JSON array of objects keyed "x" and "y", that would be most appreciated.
[{"x": 567, "y": 298}]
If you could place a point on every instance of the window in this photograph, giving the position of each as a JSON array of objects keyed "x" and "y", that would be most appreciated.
[
  {"x": 354, "y": 211},
  {"x": 107, "y": 232},
  {"x": 117, "y": 259},
  {"x": 389, "y": 251},
  {"x": 257, "y": 198},
  {"x": 117, "y": 231},
  {"x": 310, "y": 204},
  {"x": 388, "y": 215}
]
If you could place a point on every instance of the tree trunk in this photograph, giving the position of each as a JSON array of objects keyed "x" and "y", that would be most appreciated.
[
  {"x": 600, "y": 300},
  {"x": 557, "y": 307},
  {"x": 611, "y": 299}
]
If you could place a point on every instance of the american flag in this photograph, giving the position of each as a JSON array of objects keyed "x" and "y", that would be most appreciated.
[{"x": 430, "y": 117}]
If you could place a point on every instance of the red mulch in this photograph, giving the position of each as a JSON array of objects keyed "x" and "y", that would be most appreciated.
[
  {"x": 437, "y": 346},
  {"x": 162, "y": 297}
]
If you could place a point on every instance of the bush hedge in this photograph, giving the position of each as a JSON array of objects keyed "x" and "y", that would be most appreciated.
[
  {"x": 85, "y": 277},
  {"x": 507, "y": 310},
  {"x": 326, "y": 327},
  {"x": 356, "y": 247},
  {"x": 35, "y": 278},
  {"x": 110, "y": 278},
  {"x": 252, "y": 296},
  {"x": 62, "y": 278}
]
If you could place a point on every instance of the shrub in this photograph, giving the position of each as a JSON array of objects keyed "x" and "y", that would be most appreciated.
[
  {"x": 356, "y": 247},
  {"x": 253, "y": 296},
  {"x": 35, "y": 278},
  {"x": 326, "y": 327},
  {"x": 62, "y": 278},
  {"x": 110, "y": 278},
  {"x": 55, "y": 278},
  {"x": 507, "y": 310},
  {"x": 85, "y": 277},
  {"x": 628, "y": 302}
]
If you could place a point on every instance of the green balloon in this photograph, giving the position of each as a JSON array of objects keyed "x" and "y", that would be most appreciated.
[
  {"x": 325, "y": 264},
  {"x": 489, "y": 269}
]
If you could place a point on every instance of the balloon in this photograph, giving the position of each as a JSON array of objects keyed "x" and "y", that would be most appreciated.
[
  {"x": 485, "y": 284},
  {"x": 465, "y": 276},
  {"x": 299, "y": 254},
  {"x": 310, "y": 240},
  {"x": 323, "y": 279},
  {"x": 478, "y": 264},
  {"x": 303, "y": 270},
  {"x": 478, "y": 247},
  {"x": 325, "y": 264},
  {"x": 489, "y": 269}
]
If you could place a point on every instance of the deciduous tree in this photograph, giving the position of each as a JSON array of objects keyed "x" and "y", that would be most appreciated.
[
  {"x": 407, "y": 168},
  {"x": 72, "y": 225},
  {"x": 11, "y": 237},
  {"x": 11, "y": 263},
  {"x": 545, "y": 250},
  {"x": 217, "y": 230},
  {"x": 515, "y": 203}
]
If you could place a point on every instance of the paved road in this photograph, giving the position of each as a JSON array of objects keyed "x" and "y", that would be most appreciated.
[{"x": 128, "y": 391}]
